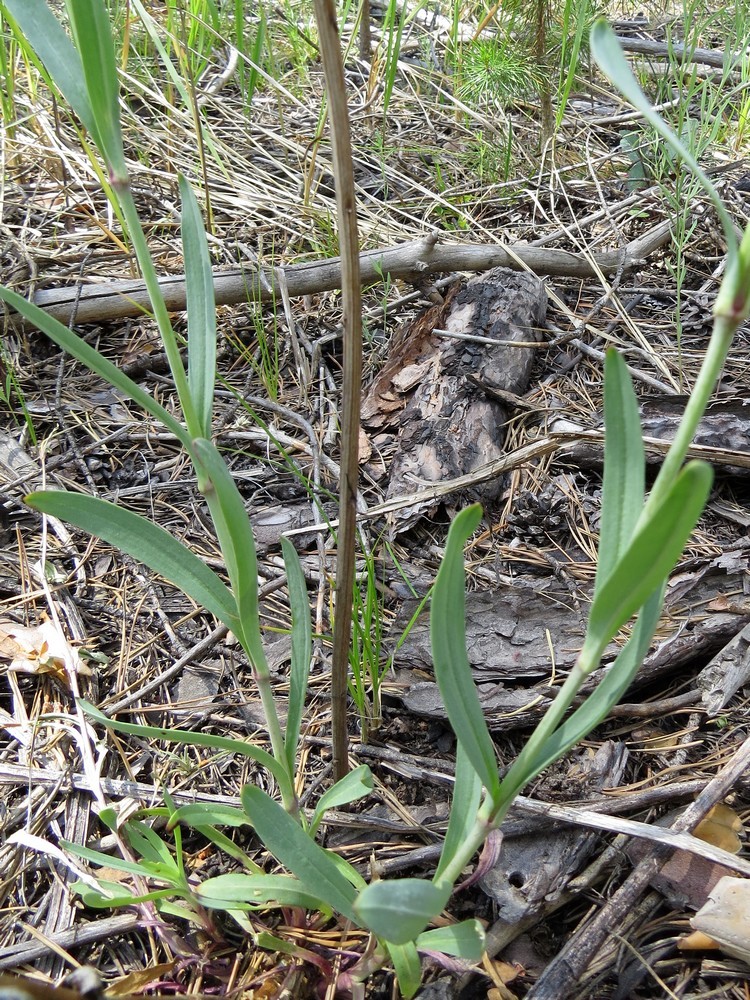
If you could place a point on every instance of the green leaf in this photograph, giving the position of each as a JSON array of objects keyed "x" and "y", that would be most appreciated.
[
  {"x": 237, "y": 545},
  {"x": 79, "y": 349},
  {"x": 399, "y": 909},
  {"x": 201, "y": 309},
  {"x": 256, "y": 891},
  {"x": 146, "y": 542},
  {"x": 113, "y": 894},
  {"x": 452, "y": 668},
  {"x": 90, "y": 25},
  {"x": 144, "y": 869},
  {"x": 464, "y": 940},
  {"x": 319, "y": 874},
  {"x": 407, "y": 966},
  {"x": 274, "y": 767},
  {"x": 228, "y": 847},
  {"x": 624, "y": 465},
  {"x": 48, "y": 39},
  {"x": 200, "y": 814},
  {"x": 355, "y": 785},
  {"x": 301, "y": 649},
  {"x": 652, "y": 554},
  {"x": 92, "y": 33},
  {"x": 109, "y": 817},
  {"x": 607, "y": 52},
  {"x": 151, "y": 848},
  {"x": 467, "y": 792}
]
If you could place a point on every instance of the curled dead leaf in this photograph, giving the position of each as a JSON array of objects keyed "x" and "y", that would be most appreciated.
[{"x": 39, "y": 649}]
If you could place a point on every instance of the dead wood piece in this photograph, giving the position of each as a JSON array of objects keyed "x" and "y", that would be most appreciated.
[
  {"x": 530, "y": 876},
  {"x": 671, "y": 49},
  {"x": 449, "y": 427},
  {"x": 20, "y": 953},
  {"x": 726, "y": 673},
  {"x": 722, "y": 437},
  {"x": 412, "y": 261},
  {"x": 507, "y": 646},
  {"x": 563, "y": 975},
  {"x": 505, "y": 631}
]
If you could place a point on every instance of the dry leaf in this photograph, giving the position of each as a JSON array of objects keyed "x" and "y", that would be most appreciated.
[
  {"x": 39, "y": 649},
  {"x": 721, "y": 827},
  {"x": 726, "y": 917}
]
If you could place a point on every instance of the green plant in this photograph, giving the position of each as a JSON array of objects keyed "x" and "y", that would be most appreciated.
[
  {"x": 536, "y": 48},
  {"x": 641, "y": 541}
]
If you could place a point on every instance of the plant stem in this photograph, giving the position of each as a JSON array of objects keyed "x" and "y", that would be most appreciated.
[
  {"x": 489, "y": 816},
  {"x": 351, "y": 291}
]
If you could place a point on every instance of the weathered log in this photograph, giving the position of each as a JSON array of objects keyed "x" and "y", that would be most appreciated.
[{"x": 110, "y": 300}]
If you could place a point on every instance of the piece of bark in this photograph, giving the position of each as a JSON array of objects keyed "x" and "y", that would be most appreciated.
[
  {"x": 449, "y": 427},
  {"x": 507, "y": 645},
  {"x": 533, "y": 869},
  {"x": 726, "y": 673},
  {"x": 724, "y": 431}
]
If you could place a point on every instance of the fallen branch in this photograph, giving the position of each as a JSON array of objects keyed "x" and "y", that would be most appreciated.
[{"x": 411, "y": 261}]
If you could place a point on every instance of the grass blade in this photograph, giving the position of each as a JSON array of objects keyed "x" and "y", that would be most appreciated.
[
  {"x": 94, "y": 361},
  {"x": 48, "y": 39},
  {"x": 467, "y": 792},
  {"x": 318, "y": 873},
  {"x": 256, "y": 891},
  {"x": 652, "y": 554},
  {"x": 607, "y": 52},
  {"x": 407, "y": 966},
  {"x": 608, "y": 693},
  {"x": 237, "y": 543},
  {"x": 92, "y": 33},
  {"x": 193, "y": 739},
  {"x": 355, "y": 785}
]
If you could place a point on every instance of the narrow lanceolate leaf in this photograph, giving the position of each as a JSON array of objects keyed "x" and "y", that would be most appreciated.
[
  {"x": 399, "y": 909},
  {"x": 48, "y": 39},
  {"x": 72, "y": 344},
  {"x": 204, "y": 813},
  {"x": 407, "y": 966},
  {"x": 652, "y": 554},
  {"x": 92, "y": 33},
  {"x": 355, "y": 785},
  {"x": 237, "y": 544},
  {"x": 201, "y": 309},
  {"x": 467, "y": 791},
  {"x": 608, "y": 693},
  {"x": 448, "y": 640},
  {"x": 624, "y": 465},
  {"x": 255, "y": 891},
  {"x": 464, "y": 940},
  {"x": 293, "y": 848},
  {"x": 195, "y": 739},
  {"x": 146, "y": 542},
  {"x": 301, "y": 649}
]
